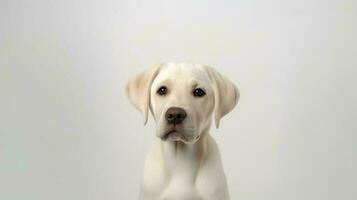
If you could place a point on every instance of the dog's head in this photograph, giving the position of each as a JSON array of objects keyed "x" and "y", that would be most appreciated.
[{"x": 182, "y": 99}]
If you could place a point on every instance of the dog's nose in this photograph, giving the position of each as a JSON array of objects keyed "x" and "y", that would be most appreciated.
[{"x": 175, "y": 115}]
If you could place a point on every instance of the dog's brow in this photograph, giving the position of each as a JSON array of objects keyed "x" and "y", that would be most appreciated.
[
  {"x": 195, "y": 85},
  {"x": 165, "y": 82}
]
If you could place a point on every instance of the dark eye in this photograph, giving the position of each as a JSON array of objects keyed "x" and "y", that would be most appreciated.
[
  {"x": 162, "y": 91},
  {"x": 199, "y": 92}
]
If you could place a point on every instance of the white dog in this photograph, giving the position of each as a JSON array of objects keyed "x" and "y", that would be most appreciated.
[{"x": 185, "y": 162}]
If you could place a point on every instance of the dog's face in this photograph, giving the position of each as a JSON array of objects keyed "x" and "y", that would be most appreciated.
[
  {"x": 182, "y": 98},
  {"x": 182, "y": 102}
]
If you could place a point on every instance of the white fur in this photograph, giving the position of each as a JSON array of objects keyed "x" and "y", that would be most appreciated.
[{"x": 189, "y": 167}]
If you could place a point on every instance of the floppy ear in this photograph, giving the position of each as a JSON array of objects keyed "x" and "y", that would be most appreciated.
[
  {"x": 138, "y": 90},
  {"x": 226, "y": 94}
]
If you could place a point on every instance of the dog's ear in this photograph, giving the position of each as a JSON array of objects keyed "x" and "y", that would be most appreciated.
[
  {"x": 226, "y": 94},
  {"x": 138, "y": 90}
]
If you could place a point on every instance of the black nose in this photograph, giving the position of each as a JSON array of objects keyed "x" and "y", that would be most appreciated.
[{"x": 175, "y": 115}]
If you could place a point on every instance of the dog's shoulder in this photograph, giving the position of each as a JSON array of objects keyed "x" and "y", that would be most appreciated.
[
  {"x": 153, "y": 179},
  {"x": 211, "y": 180}
]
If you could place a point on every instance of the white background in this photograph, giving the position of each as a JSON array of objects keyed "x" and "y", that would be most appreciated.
[{"x": 67, "y": 131}]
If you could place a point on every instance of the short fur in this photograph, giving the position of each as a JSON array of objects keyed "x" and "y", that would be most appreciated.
[{"x": 187, "y": 166}]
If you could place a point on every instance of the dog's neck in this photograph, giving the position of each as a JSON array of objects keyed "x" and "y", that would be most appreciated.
[{"x": 182, "y": 161}]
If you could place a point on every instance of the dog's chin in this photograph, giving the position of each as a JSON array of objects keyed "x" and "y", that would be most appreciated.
[
  {"x": 175, "y": 136},
  {"x": 178, "y": 136}
]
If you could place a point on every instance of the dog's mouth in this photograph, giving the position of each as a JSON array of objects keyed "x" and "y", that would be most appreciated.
[
  {"x": 174, "y": 135},
  {"x": 179, "y": 135}
]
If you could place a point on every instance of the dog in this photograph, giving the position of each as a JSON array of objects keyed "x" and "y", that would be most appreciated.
[{"x": 184, "y": 163}]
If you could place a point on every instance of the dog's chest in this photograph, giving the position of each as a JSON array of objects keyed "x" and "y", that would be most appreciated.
[
  {"x": 183, "y": 177},
  {"x": 181, "y": 191},
  {"x": 185, "y": 189}
]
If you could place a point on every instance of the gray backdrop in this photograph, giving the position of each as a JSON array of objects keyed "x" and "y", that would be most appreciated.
[{"x": 67, "y": 131}]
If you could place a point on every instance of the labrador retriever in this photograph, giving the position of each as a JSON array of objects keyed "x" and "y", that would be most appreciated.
[{"x": 184, "y": 163}]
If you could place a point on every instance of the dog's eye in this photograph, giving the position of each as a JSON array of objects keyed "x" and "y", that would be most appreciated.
[
  {"x": 199, "y": 92},
  {"x": 162, "y": 91}
]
